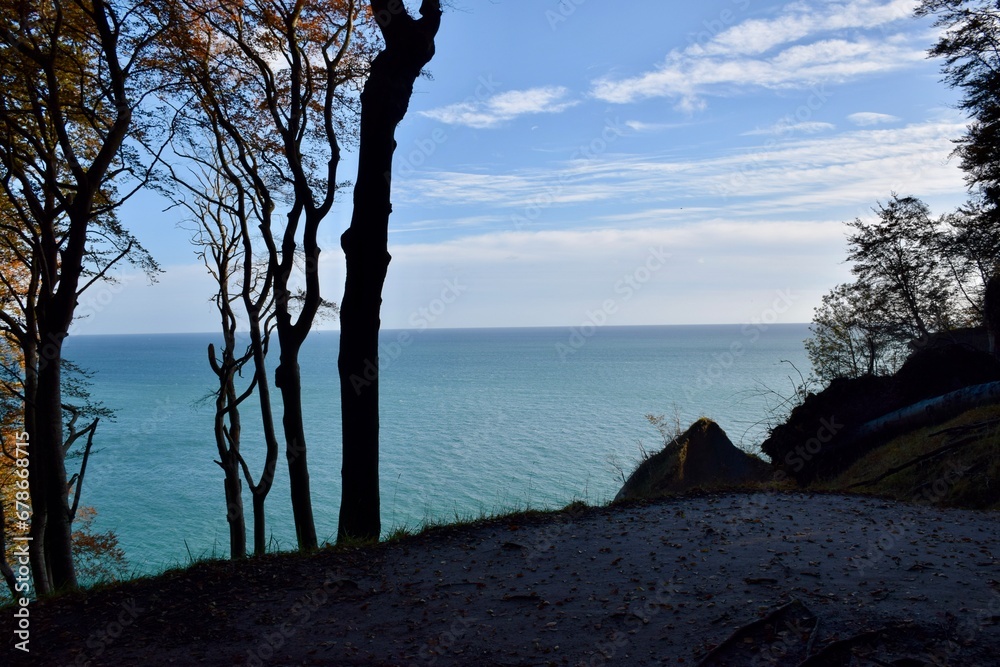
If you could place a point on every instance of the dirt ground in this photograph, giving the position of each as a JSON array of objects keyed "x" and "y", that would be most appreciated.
[{"x": 729, "y": 579}]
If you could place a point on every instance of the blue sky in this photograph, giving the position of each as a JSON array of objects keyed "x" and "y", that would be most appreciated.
[{"x": 637, "y": 162}]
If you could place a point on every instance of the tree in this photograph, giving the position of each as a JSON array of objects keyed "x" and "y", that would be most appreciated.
[
  {"x": 897, "y": 258},
  {"x": 970, "y": 248},
  {"x": 969, "y": 47},
  {"x": 95, "y": 555},
  {"x": 849, "y": 338},
  {"x": 225, "y": 213},
  {"x": 219, "y": 238},
  {"x": 910, "y": 271},
  {"x": 72, "y": 77},
  {"x": 275, "y": 85},
  {"x": 409, "y": 46}
]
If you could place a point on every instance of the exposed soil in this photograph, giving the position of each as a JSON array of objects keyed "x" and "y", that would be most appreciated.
[
  {"x": 702, "y": 457},
  {"x": 727, "y": 579}
]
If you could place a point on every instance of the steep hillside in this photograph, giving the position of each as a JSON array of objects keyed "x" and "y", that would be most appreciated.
[
  {"x": 702, "y": 457},
  {"x": 953, "y": 464}
]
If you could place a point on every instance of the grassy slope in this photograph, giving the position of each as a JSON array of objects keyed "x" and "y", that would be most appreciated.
[{"x": 966, "y": 475}]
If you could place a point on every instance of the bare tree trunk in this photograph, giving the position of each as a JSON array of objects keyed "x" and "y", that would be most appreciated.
[
  {"x": 409, "y": 45},
  {"x": 228, "y": 427},
  {"x": 931, "y": 411},
  {"x": 287, "y": 379},
  {"x": 228, "y": 443},
  {"x": 46, "y": 448},
  {"x": 39, "y": 510},
  {"x": 234, "y": 507},
  {"x": 259, "y": 526},
  {"x": 260, "y": 490}
]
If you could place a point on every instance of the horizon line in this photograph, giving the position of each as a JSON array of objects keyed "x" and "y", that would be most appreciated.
[{"x": 416, "y": 330}]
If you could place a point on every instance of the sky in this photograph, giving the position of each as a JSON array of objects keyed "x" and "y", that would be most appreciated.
[{"x": 586, "y": 163}]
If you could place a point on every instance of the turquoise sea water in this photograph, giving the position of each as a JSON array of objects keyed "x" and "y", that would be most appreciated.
[{"x": 472, "y": 421}]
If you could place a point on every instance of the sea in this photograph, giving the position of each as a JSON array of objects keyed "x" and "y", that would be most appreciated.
[{"x": 473, "y": 422}]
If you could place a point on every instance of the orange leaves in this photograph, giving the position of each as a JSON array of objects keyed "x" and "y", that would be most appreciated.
[
  {"x": 275, "y": 81},
  {"x": 98, "y": 555}
]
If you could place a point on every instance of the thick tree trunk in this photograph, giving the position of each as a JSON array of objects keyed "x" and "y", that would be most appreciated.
[
  {"x": 54, "y": 314},
  {"x": 409, "y": 45},
  {"x": 47, "y": 448},
  {"x": 359, "y": 392},
  {"x": 40, "y": 575},
  {"x": 288, "y": 380}
]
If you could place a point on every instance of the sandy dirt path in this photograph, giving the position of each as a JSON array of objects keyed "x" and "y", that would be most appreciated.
[{"x": 837, "y": 578}]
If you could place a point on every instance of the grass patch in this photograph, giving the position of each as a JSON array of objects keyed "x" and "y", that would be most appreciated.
[
  {"x": 964, "y": 473},
  {"x": 512, "y": 516}
]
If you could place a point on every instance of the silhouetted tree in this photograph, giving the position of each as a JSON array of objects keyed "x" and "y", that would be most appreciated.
[
  {"x": 219, "y": 239},
  {"x": 897, "y": 257},
  {"x": 409, "y": 46},
  {"x": 969, "y": 47},
  {"x": 970, "y": 248},
  {"x": 906, "y": 289},
  {"x": 72, "y": 90},
  {"x": 276, "y": 84},
  {"x": 850, "y": 338}
]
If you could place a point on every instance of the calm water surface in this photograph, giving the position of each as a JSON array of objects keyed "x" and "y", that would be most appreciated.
[{"x": 472, "y": 421}]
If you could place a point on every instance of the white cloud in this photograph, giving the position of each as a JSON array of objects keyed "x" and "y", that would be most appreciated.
[
  {"x": 556, "y": 277},
  {"x": 786, "y": 128},
  {"x": 504, "y": 107},
  {"x": 801, "y": 20},
  {"x": 641, "y": 126},
  {"x": 801, "y": 47},
  {"x": 592, "y": 245},
  {"x": 546, "y": 278},
  {"x": 797, "y": 176},
  {"x": 867, "y": 118}
]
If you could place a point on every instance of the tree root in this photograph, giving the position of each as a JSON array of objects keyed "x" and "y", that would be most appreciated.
[{"x": 802, "y": 615}]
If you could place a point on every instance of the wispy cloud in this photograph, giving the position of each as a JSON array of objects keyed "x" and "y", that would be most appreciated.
[
  {"x": 867, "y": 118},
  {"x": 782, "y": 129},
  {"x": 506, "y": 106},
  {"x": 734, "y": 265},
  {"x": 799, "y": 21},
  {"x": 797, "y": 177},
  {"x": 641, "y": 126},
  {"x": 802, "y": 46},
  {"x": 595, "y": 244},
  {"x": 435, "y": 224}
]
